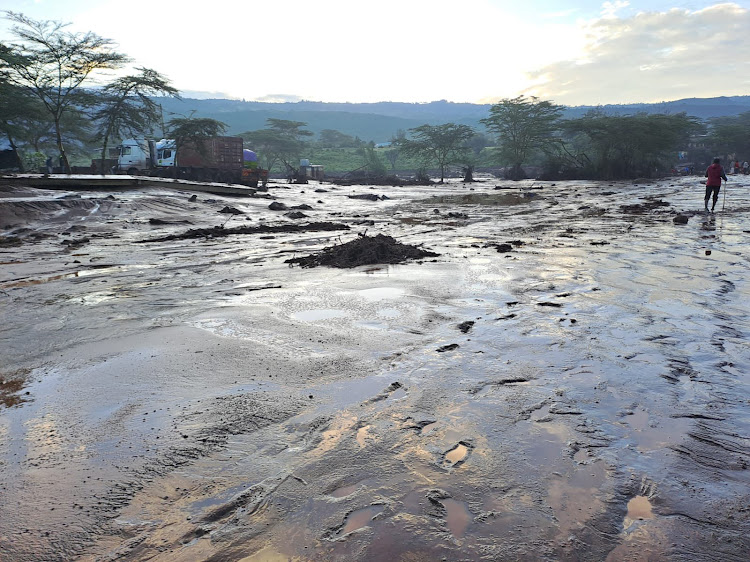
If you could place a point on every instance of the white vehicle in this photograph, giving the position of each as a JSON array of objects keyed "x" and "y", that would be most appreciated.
[{"x": 141, "y": 156}]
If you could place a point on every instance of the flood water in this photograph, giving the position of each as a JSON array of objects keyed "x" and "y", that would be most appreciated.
[{"x": 580, "y": 393}]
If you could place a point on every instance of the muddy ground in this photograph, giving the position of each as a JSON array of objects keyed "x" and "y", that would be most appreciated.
[{"x": 566, "y": 380}]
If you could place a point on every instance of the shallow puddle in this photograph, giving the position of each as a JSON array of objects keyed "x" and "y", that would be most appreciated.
[
  {"x": 639, "y": 508},
  {"x": 428, "y": 428},
  {"x": 381, "y": 293},
  {"x": 456, "y": 455},
  {"x": 344, "y": 491},
  {"x": 316, "y": 315},
  {"x": 360, "y": 518},
  {"x": 457, "y": 517}
]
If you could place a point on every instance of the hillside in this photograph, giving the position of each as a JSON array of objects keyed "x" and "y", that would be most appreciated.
[{"x": 378, "y": 122}]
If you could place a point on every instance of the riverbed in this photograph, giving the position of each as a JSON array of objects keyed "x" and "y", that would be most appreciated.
[{"x": 566, "y": 380}]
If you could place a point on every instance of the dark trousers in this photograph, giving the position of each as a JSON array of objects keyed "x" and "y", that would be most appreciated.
[{"x": 712, "y": 190}]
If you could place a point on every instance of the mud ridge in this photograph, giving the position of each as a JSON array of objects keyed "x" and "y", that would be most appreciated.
[{"x": 218, "y": 231}]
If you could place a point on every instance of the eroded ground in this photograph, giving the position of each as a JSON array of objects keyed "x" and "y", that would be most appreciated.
[{"x": 567, "y": 380}]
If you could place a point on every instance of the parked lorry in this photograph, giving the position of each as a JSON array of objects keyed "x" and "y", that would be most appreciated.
[{"x": 220, "y": 159}]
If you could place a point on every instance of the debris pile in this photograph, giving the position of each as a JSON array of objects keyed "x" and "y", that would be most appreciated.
[{"x": 364, "y": 250}]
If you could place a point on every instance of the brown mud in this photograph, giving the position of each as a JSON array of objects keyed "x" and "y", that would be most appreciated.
[
  {"x": 364, "y": 250},
  {"x": 583, "y": 396}
]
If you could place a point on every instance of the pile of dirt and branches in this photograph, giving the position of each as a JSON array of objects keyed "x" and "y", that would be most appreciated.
[
  {"x": 218, "y": 231},
  {"x": 364, "y": 250}
]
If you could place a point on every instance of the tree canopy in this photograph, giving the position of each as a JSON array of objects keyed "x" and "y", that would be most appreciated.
[
  {"x": 522, "y": 125},
  {"x": 282, "y": 141},
  {"x": 624, "y": 146},
  {"x": 53, "y": 64},
  {"x": 441, "y": 145},
  {"x": 126, "y": 107}
]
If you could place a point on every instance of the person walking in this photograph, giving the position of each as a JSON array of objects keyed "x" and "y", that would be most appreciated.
[{"x": 714, "y": 173}]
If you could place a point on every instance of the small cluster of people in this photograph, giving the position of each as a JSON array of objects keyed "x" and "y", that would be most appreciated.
[{"x": 737, "y": 168}]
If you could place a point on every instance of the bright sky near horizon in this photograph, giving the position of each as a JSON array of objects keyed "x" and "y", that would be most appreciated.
[{"x": 575, "y": 53}]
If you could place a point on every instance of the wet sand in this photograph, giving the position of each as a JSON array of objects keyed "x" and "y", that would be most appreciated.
[{"x": 567, "y": 380}]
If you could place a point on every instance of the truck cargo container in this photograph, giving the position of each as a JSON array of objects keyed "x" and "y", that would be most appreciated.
[{"x": 219, "y": 159}]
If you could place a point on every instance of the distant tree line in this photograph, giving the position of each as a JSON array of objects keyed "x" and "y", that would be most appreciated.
[{"x": 50, "y": 100}]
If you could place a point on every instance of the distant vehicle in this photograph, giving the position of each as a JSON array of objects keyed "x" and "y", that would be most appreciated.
[
  {"x": 221, "y": 159},
  {"x": 305, "y": 172}
]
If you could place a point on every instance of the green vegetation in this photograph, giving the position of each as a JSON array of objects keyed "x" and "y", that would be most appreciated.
[
  {"x": 281, "y": 142},
  {"x": 440, "y": 145},
  {"x": 52, "y": 65},
  {"x": 608, "y": 147},
  {"x": 523, "y": 126}
]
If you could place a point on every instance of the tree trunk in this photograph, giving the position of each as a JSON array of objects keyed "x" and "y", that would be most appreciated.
[
  {"x": 104, "y": 155},
  {"x": 65, "y": 165}
]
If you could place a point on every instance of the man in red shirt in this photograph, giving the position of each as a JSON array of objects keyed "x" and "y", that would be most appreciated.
[{"x": 714, "y": 173}]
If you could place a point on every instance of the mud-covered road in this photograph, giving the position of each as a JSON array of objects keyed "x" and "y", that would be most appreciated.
[{"x": 568, "y": 380}]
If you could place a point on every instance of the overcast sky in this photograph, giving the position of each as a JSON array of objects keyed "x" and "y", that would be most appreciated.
[{"x": 587, "y": 52}]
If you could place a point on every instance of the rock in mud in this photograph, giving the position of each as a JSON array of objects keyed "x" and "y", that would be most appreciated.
[
  {"x": 680, "y": 219},
  {"x": 231, "y": 211},
  {"x": 466, "y": 326},
  {"x": 296, "y": 215},
  {"x": 276, "y": 206}
]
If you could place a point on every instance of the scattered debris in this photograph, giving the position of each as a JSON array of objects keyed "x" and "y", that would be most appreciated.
[
  {"x": 449, "y": 347},
  {"x": 231, "y": 211}
]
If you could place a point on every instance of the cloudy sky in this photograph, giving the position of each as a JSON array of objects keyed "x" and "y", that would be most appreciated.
[{"x": 574, "y": 53}]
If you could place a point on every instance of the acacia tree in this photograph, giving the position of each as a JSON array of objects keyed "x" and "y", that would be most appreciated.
[
  {"x": 441, "y": 145},
  {"x": 52, "y": 64},
  {"x": 522, "y": 125},
  {"x": 126, "y": 107},
  {"x": 282, "y": 141}
]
